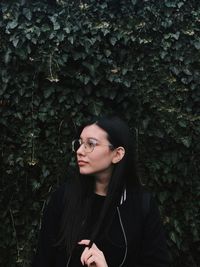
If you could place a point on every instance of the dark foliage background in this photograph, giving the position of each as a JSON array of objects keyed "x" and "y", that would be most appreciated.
[{"x": 63, "y": 61}]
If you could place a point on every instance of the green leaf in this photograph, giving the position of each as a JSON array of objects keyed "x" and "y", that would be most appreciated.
[
  {"x": 12, "y": 25},
  {"x": 197, "y": 45},
  {"x": 67, "y": 30},
  {"x": 182, "y": 123},
  {"x": 56, "y": 26},
  {"x": 107, "y": 53},
  {"x": 113, "y": 40},
  {"x": 45, "y": 28},
  {"x": 71, "y": 39},
  {"x": 186, "y": 141},
  {"x": 15, "y": 42},
  {"x": 27, "y": 13},
  {"x": 48, "y": 92}
]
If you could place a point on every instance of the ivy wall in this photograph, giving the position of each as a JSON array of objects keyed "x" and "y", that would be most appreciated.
[{"x": 63, "y": 61}]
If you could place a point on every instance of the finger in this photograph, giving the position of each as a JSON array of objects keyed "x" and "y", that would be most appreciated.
[
  {"x": 93, "y": 253},
  {"x": 84, "y": 255},
  {"x": 95, "y": 260},
  {"x": 84, "y": 242},
  {"x": 87, "y": 253},
  {"x": 91, "y": 261}
]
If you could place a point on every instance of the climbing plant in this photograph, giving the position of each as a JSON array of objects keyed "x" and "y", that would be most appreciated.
[{"x": 63, "y": 61}]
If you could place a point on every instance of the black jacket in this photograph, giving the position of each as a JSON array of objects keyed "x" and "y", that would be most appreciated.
[{"x": 136, "y": 235}]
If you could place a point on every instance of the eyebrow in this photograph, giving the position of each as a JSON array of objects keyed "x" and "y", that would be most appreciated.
[{"x": 90, "y": 138}]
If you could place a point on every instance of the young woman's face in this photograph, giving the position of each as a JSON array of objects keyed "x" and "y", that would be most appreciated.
[{"x": 99, "y": 161}]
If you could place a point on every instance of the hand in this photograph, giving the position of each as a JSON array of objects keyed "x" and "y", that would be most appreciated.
[{"x": 92, "y": 257}]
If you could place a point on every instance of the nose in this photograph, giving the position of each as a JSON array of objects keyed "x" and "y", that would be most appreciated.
[{"x": 80, "y": 150}]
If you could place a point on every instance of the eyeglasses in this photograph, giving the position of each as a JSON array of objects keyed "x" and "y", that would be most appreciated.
[{"x": 89, "y": 145}]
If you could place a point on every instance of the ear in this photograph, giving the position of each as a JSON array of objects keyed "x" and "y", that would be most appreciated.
[{"x": 119, "y": 153}]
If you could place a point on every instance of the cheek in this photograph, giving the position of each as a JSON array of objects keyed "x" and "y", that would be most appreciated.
[
  {"x": 96, "y": 163},
  {"x": 101, "y": 161}
]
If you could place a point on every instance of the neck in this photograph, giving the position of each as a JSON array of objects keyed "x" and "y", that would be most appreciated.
[{"x": 101, "y": 186}]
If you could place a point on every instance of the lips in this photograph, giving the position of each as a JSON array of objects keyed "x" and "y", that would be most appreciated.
[{"x": 82, "y": 162}]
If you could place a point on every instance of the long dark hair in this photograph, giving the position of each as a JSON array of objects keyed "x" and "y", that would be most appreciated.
[{"x": 80, "y": 190}]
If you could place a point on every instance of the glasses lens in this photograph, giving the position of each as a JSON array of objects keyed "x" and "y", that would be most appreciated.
[
  {"x": 75, "y": 145},
  {"x": 89, "y": 146}
]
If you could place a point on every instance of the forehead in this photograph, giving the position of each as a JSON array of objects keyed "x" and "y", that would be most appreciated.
[{"x": 93, "y": 131}]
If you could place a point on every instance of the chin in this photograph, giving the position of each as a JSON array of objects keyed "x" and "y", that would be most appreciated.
[{"x": 85, "y": 172}]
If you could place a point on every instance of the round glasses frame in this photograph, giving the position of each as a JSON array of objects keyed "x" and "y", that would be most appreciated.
[{"x": 89, "y": 145}]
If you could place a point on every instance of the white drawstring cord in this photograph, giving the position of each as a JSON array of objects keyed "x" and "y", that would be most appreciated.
[
  {"x": 125, "y": 239},
  {"x": 123, "y": 197},
  {"x": 68, "y": 261}
]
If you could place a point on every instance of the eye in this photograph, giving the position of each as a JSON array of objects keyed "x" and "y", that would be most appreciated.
[{"x": 91, "y": 143}]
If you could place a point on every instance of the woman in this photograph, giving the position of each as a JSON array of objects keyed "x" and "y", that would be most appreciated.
[{"x": 102, "y": 217}]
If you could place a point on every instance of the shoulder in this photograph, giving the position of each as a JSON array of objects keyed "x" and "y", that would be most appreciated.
[
  {"x": 139, "y": 194},
  {"x": 63, "y": 193},
  {"x": 56, "y": 200},
  {"x": 53, "y": 205},
  {"x": 146, "y": 205},
  {"x": 57, "y": 194},
  {"x": 141, "y": 200}
]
